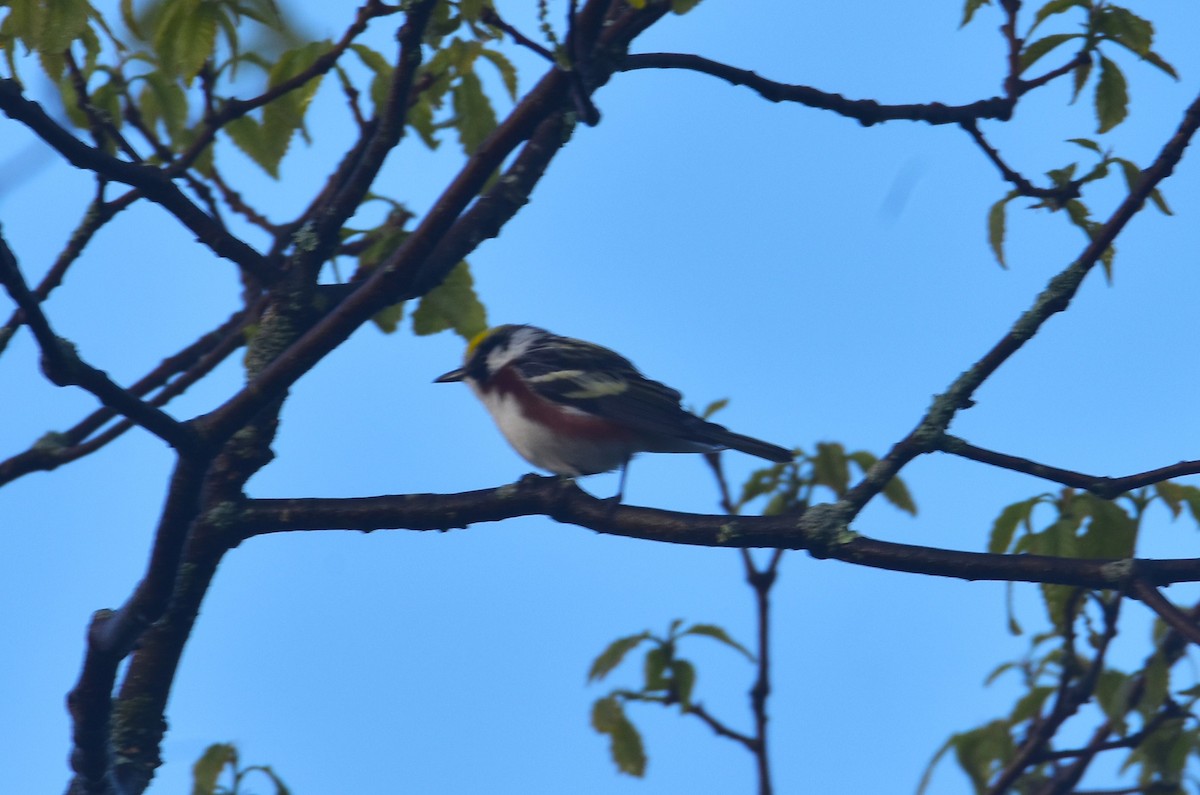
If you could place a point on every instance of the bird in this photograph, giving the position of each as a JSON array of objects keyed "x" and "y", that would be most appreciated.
[{"x": 574, "y": 408}]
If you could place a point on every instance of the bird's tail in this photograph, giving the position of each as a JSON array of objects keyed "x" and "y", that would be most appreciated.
[{"x": 747, "y": 444}]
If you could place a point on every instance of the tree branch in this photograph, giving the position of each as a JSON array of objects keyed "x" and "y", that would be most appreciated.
[
  {"x": 64, "y": 367},
  {"x": 1169, "y": 613},
  {"x": 719, "y": 728},
  {"x": 112, "y": 636},
  {"x": 153, "y": 183},
  {"x": 1071, "y": 696},
  {"x": 98, "y": 213},
  {"x": 866, "y": 111},
  {"x": 1055, "y": 298},
  {"x": 191, "y": 364},
  {"x": 230, "y": 109},
  {"x": 816, "y": 531},
  {"x": 1059, "y": 195},
  {"x": 1101, "y": 486},
  {"x": 407, "y": 272}
]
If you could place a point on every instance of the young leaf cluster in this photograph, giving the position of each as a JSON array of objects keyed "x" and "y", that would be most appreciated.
[
  {"x": 1069, "y": 184},
  {"x": 667, "y": 679},
  {"x": 1066, "y": 676},
  {"x": 789, "y": 487},
  {"x": 221, "y": 758},
  {"x": 1104, "y": 25}
]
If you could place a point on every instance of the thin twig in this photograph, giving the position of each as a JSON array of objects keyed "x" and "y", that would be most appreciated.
[
  {"x": 489, "y": 16},
  {"x": 1057, "y": 296},
  {"x": 1102, "y": 486},
  {"x": 63, "y": 366},
  {"x": 1169, "y": 613},
  {"x": 718, "y": 727},
  {"x": 1059, "y": 195},
  {"x": 866, "y": 111}
]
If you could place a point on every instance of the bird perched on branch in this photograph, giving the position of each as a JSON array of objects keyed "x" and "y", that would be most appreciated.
[{"x": 575, "y": 408}]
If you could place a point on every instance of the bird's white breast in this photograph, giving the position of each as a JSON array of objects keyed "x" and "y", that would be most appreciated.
[{"x": 547, "y": 449}]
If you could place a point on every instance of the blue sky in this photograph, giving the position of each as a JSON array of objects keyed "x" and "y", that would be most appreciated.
[{"x": 827, "y": 278}]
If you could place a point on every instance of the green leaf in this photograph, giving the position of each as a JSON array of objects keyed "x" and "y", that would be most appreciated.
[
  {"x": 388, "y": 319},
  {"x": 1170, "y": 493},
  {"x": 163, "y": 100},
  {"x": 718, "y": 634},
  {"x": 1079, "y": 214},
  {"x": 1062, "y": 177},
  {"x": 472, "y": 9},
  {"x": 1055, "y": 7},
  {"x": 1034, "y": 52},
  {"x": 64, "y": 22},
  {"x": 285, "y": 116},
  {"x": 999, "y": 670},
  {"x": 1005, "y": 526},
  {"x": 473, "y": 115},
  {"x": 714, "y": 407},
  {"x": 1133, "y": 175},
  {"x": 625, "y": 744},
  {"x": 186, "y": 36},
  {"x": 655, "y": 669},
  {"x": 1157, "y": 60},
  {"x": 1080, "y": 77},
  {"x": 996, "y": 222},
  {"x": 1086, "y": 143},
  {"x": 209, "y": 766},
  {"x": 247, "y": 135},
  {"x": 1030, "y": 705},
  {"x": 683, "y": 6},
  {"x": 969, "y": 9},
  {"x": 1157, "y": 678},
  {"x": 612, "y": 656},
  {"x": 1111, "y": 533},
  {"x": 508, "y": 72},
  {"x": 420, "y": 118},
  {"x": 381, "y": 72},
  {"x": 683, "y": 679},
  {"x": 896, "y": 492},
  {"x": 1162, "y": 756},
  {"x": 831, "y": 467},
  {"x": 1191, "y": 496},
  {"x": 1112, "y": 693},
  {"x": 1127, "y": 28},
  {"x": 982, "y": 751},
  {"x": 1112, "y": 96},
  {"x": 452, "y": 304}
]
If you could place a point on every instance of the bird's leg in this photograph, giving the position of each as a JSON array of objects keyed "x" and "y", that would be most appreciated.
[{"x": 621, "y": 483}]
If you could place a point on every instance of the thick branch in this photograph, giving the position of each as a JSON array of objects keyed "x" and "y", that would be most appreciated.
[
  {"x": 112, "y": 635},
  {"x": 817, "y": 531},
  {"x": 408, "y": 269}
]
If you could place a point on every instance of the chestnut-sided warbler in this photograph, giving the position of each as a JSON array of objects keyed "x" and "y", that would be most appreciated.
[{"x": 574, "y": 408}]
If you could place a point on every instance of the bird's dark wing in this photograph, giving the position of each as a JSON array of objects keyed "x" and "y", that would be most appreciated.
[{"x": 602, "y": 382}]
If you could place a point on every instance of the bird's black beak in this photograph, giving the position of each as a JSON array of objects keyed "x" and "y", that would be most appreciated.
[{"x": 453, "y": 375}]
